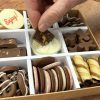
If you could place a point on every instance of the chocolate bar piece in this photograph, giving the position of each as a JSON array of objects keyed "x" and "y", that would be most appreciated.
[
  {"x": 8, "y": 43},
  {"x": 13, "y": 52},
  {"x": 43, "y": 37}
]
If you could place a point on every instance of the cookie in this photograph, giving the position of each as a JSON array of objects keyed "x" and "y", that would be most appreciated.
[
  {"x": 8, "y": 69},
  {"x": 94, "y": 68},
  {"x": 11, "y": 19},
  {"x": 41, "y": 78},
  {"x": 82, "y": 68},
  {"x": 52, "y": 47},
  {"x": 52, "y": 81},
  {"x": 41, "y": 62},
  {"x": 59, "y": 76},
  {"x": 22, "y": 83},
  {"x": 36, "y": 80},
  {"x": 48, "y": 82},
  {"x": 50, "y": 66},
  {"x": 56, "y": 80}
]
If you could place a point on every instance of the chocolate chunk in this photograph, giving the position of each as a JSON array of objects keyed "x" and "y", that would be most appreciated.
[
  {"x": 8, "y": 43},
  {"x": 13, "y": 52},
  {"x": 43, "y": 37}
]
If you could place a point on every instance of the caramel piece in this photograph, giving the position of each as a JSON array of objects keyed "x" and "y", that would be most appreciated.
[
  {"x": 8, "y": 43},
  {"x": 13, "y": 52}
]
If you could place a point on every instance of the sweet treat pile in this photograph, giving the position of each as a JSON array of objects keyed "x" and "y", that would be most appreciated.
[
  {"x": 51, "y": 75},
  {"x": 87, "y": 70},
  {"x": 11, "y": 19},
  {"x": 71, "y": 19},
  {"x": 13, "y": 81},
  {"x": 8, "y": 48},
  {"x": 79, "y": 41},
  {"x": 45, "y": 43}
]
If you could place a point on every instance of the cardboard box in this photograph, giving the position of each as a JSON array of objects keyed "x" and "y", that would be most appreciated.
[{"x": 24, "y": 37}]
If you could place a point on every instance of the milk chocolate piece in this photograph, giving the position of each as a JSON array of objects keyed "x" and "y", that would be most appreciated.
[
  {"x": 70, "y": 39},
  {"x": 71, "y": 19},
  {"x": 87, "y": 46},
  {"x": 13, "y": 52},
  {"x": 8, "y": 43},
  {"x": 43, "y": 37}
]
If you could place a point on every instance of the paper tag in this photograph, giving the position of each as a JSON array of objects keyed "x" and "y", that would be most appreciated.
[{"x": 11, "y": 19}]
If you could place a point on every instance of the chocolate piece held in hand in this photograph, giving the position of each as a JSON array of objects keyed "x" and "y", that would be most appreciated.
[{"x": 43, "y": 37}]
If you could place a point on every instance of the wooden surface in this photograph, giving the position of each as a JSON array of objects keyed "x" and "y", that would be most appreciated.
[{"x": 89, "y": 9}]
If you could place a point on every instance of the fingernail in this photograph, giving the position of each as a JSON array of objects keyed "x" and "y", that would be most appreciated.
[{"x": 43, "y": 27}]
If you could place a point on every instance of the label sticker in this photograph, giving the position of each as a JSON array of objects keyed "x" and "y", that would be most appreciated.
[{"x": 11, "y": 19}]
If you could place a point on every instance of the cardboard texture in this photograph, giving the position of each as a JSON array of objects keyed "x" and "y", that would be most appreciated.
[{"x": 23, "y": 37}]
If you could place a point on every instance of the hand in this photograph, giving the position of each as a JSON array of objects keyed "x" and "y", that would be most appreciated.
[{"x": 43, "y": 13}]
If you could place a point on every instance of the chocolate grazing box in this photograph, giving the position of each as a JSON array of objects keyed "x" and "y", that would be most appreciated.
[{"x": 31, "y": 63}]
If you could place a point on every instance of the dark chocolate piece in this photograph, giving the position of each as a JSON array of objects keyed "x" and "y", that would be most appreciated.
[
  {"x": 71, "y": 19},
  {"x": 43, "y": 61},
  {"x": 43, "y": 37},
  {"x": 13, "y": 52},
  {"x": 8, "y": 43}
]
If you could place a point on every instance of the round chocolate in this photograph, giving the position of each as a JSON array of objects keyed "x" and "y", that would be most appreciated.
[
  {"x": 41, "y": 78},
  {"x": 60, "y": 79}
]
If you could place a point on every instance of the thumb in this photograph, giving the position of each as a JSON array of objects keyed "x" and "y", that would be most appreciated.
[{"x": 55, "y": 12}]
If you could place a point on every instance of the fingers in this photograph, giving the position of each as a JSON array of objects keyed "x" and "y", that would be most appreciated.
[
  {"x": 55, "y": 12},
  {"x": 33, "y": 11}
]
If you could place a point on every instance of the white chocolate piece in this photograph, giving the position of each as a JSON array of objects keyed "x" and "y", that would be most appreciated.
[
  {"x": 11, "y": 19},
  {"x": 94, "y": 68},
  {"x": 53, "y": 47}
]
